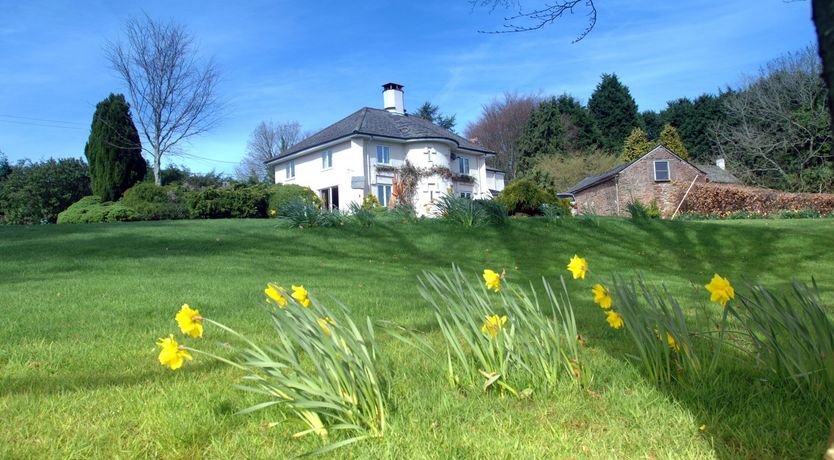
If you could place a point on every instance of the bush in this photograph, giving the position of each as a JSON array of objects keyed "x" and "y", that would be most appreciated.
[
  {"x": 239, "y": 201},
  {"x": 91, "y": 210},
  {"x": 524, "y": 196},
  {"x": 640, "y": 211},
  {"x": 282, "y": 194},
  {"x": 558, "y": 211},
  {"x": 36, "y": 192},
  {"x": 723, "y": 199},
  {"x": 152, "y": 202},
  {"x": 470, "y": 213},
  {"x": 404, "y": 213},
  {"x": 302, "y": 213}
]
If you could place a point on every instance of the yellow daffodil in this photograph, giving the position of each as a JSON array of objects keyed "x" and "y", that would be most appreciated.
[
  {"x": 602, "y": 296},
  {"x": 273, "y": 213},
  {"x": 190, "y": 321},
  {"x": 493, "y": 325},
  {"x": 300, "y": 295},
  {"x": 492, "y": 279},
  {"x": 276, "y": 294},
  {"x": 673, "y": 344},
  {"x": 578, "y": 267},
  {"x": 172, "y": 355},
  {"x": 615, "y": 320},
  {"x": 323, "y": 322},
  {"x": 720, "y": 290},
  {"x": 702, "y": 428}
]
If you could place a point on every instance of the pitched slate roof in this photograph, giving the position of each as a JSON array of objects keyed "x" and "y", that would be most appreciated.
[
  {"x": 718, "y": 175},
  {"x": 590, "y": 181},
  {"x": 377, "y": 122}
]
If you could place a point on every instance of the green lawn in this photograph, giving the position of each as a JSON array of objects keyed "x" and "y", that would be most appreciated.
[{"x": 81, "y": 307}]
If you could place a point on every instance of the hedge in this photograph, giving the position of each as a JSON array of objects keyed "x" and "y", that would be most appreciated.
[
  {"x": 90, "y": 210},
  {"x": 723, "y": 200}
]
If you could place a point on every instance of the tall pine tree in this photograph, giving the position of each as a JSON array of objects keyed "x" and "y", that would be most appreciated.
[
  {"x": 580, "y": 131},
  {"x": 543, "y": 135},
  {"x": 113, "y": 150},
  {"x": 614, "y": 112}
]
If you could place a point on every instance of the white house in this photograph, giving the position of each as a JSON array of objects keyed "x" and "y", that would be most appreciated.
[{"x": 362, "y": 153}]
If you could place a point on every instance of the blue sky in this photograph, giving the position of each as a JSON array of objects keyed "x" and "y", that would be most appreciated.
[{"x": 317, "y": 61}]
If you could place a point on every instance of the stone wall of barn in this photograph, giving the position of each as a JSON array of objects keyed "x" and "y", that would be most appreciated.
[{"x": 637, "y": 182}]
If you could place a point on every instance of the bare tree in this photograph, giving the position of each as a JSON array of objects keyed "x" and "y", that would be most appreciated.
[
  {"x": 533, "y": 19},
  {"x": 173, "y": 95},
  {"x": 267, "y": 141},
  {"x": 500, "y": 126},
  {"x": 777, "y": 130}
]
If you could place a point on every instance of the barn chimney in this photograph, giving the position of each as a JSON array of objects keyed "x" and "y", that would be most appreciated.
[{"x": 392, "y": 98}]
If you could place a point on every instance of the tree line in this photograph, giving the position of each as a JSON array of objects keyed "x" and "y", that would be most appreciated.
[{"x": 773, "y": 129}]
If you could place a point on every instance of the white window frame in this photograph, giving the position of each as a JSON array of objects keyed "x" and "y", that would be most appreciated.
[
  {"x": 463, "y": 165},
  {"x": 385, "y": 196},
  {"x": 668, "y": 170},
  {"x": 290, "y": 169},
  {"x": 383, "y": 154},
  {"x": 326, "y": 159}
]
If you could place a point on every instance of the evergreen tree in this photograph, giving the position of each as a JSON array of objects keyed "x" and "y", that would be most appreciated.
[
  {"x": 431, "y": 112},
  {"x": 671, "y": 139},
  {"x": 113, "y": 150},
  {"x": 614, "y": 112},
  {"x": 580, "y": 131},
  {"x": 652, "y": 123},
  {"x": 636, "y": 145},
  {"x": 543, "y": 135}
]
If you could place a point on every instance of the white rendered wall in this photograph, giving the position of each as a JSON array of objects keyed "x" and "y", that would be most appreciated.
[{"x": 347, "y": 162}]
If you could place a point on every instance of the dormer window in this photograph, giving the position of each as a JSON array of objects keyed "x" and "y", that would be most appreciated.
[
  {"x": 661, "y": 171},
  {"x": 383, "y": 154}
]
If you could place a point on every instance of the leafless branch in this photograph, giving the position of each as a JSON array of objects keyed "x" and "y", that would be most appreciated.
[
  {"x": 535, "y": 19},
  {"x": 173, "y": 95}
]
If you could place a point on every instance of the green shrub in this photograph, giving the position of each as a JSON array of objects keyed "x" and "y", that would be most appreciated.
[
  {"x": 90, "y": 210},
  {"x": 470, "y": 213},
  {"x": 35, "y": 193},
  {"x": 640, "y": 211},
  {"x": 282, "y": 194},
  {"x": 371, "y": 202},
  {"x": 558, "y": 211},
  {"x": 302, "y": 213},
  {"x": 364, "y": 216},
  {"x": 800, "y": 214},
  {"x": 239, "y": 201},
  {"x": 404, "y": 213},
  {"x": 152, "y": 202},
  {"x": 524, "y": 196}
]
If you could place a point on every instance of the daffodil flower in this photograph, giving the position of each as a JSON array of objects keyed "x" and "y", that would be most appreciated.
[
  {"x": 276, "y": 294},
  {"x": 172, "y": 354},
  {"x": 578, "y": 267},
  {"x": 493, "y": 325},
  {"x": 720, "y": 290},
  {"x": 615, "y": 320},
  {"x": 492, "y": 279},
  {"x": 190, "y": 321},
  {"x": 300, "y": 295},
  {"x": 602, "y": 296}
]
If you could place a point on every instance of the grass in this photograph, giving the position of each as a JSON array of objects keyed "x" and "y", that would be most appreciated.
[{"x": 80, "y": 308}]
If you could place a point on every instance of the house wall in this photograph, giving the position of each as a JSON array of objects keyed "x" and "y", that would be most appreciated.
[
  {"x": 637, "y": 182},
  {"x": 358, "y": 157},
  {"x": 347, "y": 162}
]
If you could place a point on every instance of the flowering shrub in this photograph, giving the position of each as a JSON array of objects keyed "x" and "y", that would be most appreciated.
[
  {"x": 497, "y": 334},
  {"x": 322, "y": 367}
]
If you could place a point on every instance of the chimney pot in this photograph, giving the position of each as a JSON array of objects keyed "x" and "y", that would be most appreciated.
[{"x": 392, "y": 98}]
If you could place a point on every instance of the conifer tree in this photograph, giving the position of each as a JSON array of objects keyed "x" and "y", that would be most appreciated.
[
  {"x": 113, "y": 150},
  {"x": 636, "y": 145},
  {"x": 542, "y": 136},
  {"x": 671, "y": 139},
  {"x": 614, "y": 112},
  {"x": 580, "y": 131}
]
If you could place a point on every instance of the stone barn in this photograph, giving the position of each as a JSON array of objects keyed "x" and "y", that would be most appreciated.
[{"x": 660, "y": 175}]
